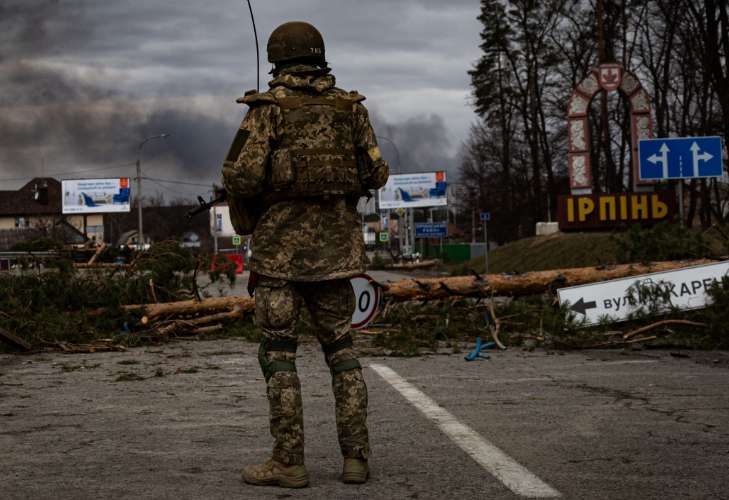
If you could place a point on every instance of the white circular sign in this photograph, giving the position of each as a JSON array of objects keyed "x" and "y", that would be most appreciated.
[{"x": 366, "y": 299}]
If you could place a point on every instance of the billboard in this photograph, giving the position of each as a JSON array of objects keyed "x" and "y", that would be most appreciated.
[
  {"x": 95, "y": 196},
  {"x": 220, "y": 223},
  {"x": 414, "y": 190}
]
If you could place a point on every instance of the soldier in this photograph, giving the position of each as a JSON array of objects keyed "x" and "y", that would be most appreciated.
[{"x": 303, "y": 156}]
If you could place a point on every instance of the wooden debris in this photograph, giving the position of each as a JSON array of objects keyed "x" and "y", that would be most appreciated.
[
  {"x": 100, "y": 265},
  {"x": 14, "y": 340},
  {"x": 664, "y": 322},
  {"x": 152, "y": 291},
  {"x": 88, "y": 348},
  {"x": 423, "y": 264},
  {"x": 99, "y": 250},
  {"x": 496, "y": 326},
  {"x": 207, "y": 329},
  {"x": 180, "y": 324}
]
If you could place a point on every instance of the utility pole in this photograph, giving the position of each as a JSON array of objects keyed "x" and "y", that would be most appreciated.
[{"x": 140, "y": 232}]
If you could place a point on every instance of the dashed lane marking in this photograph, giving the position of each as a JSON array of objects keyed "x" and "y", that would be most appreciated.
[{"x": 514, "y": 476}]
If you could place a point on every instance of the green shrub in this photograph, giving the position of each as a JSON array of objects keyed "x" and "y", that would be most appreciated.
[{"x": 664, "y": 241}]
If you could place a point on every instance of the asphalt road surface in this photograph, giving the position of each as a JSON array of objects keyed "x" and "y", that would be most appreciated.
[{"x": 178, "y": 421}]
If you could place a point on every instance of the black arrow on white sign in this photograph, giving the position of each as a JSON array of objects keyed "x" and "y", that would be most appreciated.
[{"x": 581, "y": 306}]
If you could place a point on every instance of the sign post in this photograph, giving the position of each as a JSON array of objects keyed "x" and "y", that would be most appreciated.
[
  {"x": 680, "y": 158},
  {"x": 366, "y": 299},
  {"x": 485, "y": 218},
  {"x": 619, "y": 299}
]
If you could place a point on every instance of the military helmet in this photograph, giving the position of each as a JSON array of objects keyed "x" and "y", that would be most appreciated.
[{"x": 295, "y": 40}]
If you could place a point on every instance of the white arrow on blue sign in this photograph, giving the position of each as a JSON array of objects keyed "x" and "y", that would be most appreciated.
[{"x": 680, "y": 158}]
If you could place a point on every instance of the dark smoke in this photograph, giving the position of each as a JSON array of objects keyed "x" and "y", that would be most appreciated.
[
  {"x": 422, "y": 142},
  {"x": 49, "y": 116}
]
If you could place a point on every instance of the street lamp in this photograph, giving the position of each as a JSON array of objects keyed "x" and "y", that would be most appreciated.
[
  {"x": 397, "y": 151},
  {"x": 140, "y": 233}
]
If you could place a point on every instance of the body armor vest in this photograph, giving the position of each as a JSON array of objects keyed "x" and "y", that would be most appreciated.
[{"x": 316, "y": 155}]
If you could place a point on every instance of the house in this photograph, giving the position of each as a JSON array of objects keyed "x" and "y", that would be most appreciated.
[
  {"x": 160, "y": 224},
  {"x": 37, "y": 205}
]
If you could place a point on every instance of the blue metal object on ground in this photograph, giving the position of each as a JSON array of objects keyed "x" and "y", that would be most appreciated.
[{"x": 476, "y": 353}]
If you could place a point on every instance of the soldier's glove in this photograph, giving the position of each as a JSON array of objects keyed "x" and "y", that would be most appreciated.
[{"x": 252, "y": 282}]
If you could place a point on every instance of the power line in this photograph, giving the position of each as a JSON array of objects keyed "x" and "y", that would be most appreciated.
[
  {"x": 70, "y": 172},
  {"x": 171, "y": 181}
]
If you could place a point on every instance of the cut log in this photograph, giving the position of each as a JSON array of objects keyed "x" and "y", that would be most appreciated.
[
  {"x": 203, "y": 320},
  {"x": 14, "y": 340},
  {"x": 531, "y": 283},
  {"x": 193, "y": 307}
]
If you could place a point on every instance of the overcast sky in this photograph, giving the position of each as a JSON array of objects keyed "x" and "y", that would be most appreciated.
[{"x": 84, "y": 81}]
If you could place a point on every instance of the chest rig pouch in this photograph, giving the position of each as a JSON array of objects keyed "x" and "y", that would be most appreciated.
[{"x": 316, "y": 153}]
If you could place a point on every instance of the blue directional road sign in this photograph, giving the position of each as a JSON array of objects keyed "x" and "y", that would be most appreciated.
[
  {"x": 431, "y": 230},
  {"x": 485, "y": 216},
  {"x": 680, "y": 158}
]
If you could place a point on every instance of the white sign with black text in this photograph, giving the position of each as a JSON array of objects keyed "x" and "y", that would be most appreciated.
[
  {"x": 616, "y": 300},
  {"x": 366, "y": 299}
]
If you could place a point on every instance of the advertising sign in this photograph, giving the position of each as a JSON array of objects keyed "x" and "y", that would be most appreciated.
[
  {"x": 605, "y": 211},
  {"x": 431, "y": 230},
  {"x": 611, "y": 300},
  {"x": 414, "y": 190},
  {"x": 680, "y": 158},
  {"x": 220, "y": 223},
  {"x": 95, "y": 196}
]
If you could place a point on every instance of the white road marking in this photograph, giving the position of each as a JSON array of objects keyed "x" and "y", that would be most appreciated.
[{"x": 517, "y": 478}]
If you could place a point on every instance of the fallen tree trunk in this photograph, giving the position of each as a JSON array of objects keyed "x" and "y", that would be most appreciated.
[
  {"x": 186, "y": 307},
  {"x": 516, "y": 285},
  {"x": 531, "y": 283}
]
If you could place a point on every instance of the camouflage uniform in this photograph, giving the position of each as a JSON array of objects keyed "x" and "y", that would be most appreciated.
[{"x": 306, "y": 245}]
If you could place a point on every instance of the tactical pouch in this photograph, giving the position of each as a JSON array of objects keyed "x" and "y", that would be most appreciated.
[
  {"x": 282, "y": 169},
  {"x": 325, "y": 171},
  {"x": 244, "y": 214}
]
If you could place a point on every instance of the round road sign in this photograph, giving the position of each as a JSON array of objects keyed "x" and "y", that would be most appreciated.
[{"x": 366, "y": 298}]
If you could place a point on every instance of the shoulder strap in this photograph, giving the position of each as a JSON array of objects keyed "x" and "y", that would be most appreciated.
[
  {"x": 356, "y": 96},
  {"x": 253, "y": 98}
]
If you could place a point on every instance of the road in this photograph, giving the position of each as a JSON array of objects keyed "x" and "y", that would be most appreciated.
[{"x": 177, "y": 421}]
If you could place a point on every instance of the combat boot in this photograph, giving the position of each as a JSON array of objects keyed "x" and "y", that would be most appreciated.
[
  {"x": 355, "y": 471},
  {"x": 273, "y": 473}
]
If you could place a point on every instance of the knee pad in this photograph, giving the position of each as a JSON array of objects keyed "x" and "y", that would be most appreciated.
[
  {"x": 344, "y": 364},
  {"x": 269, "y": 367}
]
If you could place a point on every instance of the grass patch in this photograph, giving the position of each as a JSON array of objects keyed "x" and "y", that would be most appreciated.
[{"x": 564, "y": 250}]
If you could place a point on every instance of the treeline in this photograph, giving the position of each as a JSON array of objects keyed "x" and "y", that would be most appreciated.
[{"x": 535, "y": 52}]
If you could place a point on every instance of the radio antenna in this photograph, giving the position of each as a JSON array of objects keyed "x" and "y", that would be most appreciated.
[{"x": 258, "y": 54}]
